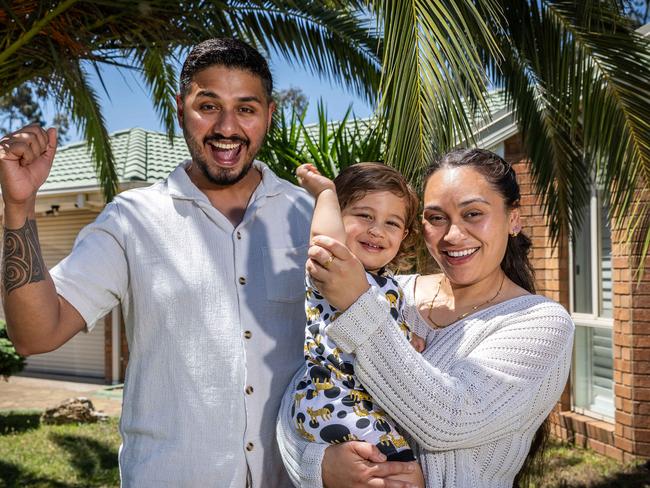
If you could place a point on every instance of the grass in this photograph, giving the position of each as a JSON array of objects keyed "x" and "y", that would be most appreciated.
[
  {"x": 57, "y": 456},
  {"x": 76, "y": 456},
  {"x": 574, "y": 467}
]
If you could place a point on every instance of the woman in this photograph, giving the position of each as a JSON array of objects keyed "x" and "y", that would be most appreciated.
[{"x": 496, "y": 358}]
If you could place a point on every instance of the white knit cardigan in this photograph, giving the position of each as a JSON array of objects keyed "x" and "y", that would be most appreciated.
[{"x": 470, "y": 403}]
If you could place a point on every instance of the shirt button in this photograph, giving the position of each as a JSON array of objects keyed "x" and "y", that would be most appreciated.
[
  {"x": 242, "y": 280},
  {"x": 249, "y": 390},
  {"x": 248, "y": 334},
  {"x": 249, "y": 446},
  {"x": 238, "y": 235}
]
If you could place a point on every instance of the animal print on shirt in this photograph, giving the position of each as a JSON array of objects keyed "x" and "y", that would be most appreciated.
[{"x": 330, "y": 404}]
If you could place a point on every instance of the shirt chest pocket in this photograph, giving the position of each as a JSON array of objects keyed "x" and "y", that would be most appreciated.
[{"x": 284, "y": 270}]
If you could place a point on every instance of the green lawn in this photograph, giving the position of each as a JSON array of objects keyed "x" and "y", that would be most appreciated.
[
  {"x": 57, "y": 456},
  {"x": 43, "y": 456}
]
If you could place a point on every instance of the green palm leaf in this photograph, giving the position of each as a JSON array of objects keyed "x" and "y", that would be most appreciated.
[
  {"x": 332, "y": 40},
  {"x": 431, "y": 65},
  {"x": 578, "y": 80}
]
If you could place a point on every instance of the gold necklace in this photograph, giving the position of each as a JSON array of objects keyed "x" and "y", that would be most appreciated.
[{"x": 462, "y": 315}]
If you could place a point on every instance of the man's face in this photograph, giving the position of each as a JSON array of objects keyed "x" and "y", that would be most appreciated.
[{"x": 225, "y": 116}]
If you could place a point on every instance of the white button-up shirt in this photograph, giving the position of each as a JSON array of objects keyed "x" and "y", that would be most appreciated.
[{"x": 214, "y": 321}]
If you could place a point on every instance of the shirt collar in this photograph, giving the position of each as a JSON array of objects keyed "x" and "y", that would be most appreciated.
[{"x": 180, "y": 186}]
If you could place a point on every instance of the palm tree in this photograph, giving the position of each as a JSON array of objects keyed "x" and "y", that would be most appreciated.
[
  {"x": 53, "y": 45},
  {"x": 575, "y": 73}
]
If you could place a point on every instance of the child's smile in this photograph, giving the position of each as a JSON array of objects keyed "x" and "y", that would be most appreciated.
[{"x": 375, "y": 227}]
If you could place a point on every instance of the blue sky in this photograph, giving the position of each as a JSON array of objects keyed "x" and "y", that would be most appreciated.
[{"x": 129, "y": 105}]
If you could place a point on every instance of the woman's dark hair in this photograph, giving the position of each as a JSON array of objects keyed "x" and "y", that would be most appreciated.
[
  {"x": 357, "y": 180},
  {"x": 230, "y": 53},
  {"x": 515, "y": 263},
  {"x": 502, "y": 177}
]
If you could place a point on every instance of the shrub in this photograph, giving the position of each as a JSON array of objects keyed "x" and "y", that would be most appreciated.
[{"x": 10, "y": 361}]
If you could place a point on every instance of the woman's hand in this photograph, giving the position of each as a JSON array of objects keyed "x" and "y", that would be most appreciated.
[
  {"x": 338, "y": 274},
  {"x": 360, "y": 464}
]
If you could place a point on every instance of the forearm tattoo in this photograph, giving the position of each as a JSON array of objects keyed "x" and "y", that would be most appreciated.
[{"x": 22, "y": 262}]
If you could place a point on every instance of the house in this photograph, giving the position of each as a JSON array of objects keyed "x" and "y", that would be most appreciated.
[{"x": 606, "y": 404}]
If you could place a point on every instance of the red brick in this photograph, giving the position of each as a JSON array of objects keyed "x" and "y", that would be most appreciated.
[
  {"x": 619, "y": 430},
  {"x": 623, "y": 391},
  {"x": 614, "y": 453},
  {"x": 622, "y": 339},
  {"x": 624, "y": 419},
  {"x": 626, "y": 354},
  {"x": 621, "y": 316},
  {"x": 642, "y": 394},
  {"x": 640, "y": 381},
  {"x": 620, "y": 262},
  {"x": 642, "y": 301},
  {"x": 643, "y": 435},
  {"x": 642, "y": 449},
  {"x": 597, "y": 446},
  {"x": 624, "y": 444},
  {"x": 642, "y": 408},
  {"x": 641, "y": 314},
  {"x": 618, "y": 377},
  {"x": 624, "y": 364},
  {"x": 622, "y": 288},
  {"x": 640, "y": 367}
]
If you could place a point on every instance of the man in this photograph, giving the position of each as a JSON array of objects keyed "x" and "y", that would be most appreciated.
[{"x": 208, "y": 269}]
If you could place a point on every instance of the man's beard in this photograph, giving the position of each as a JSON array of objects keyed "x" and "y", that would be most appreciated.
[{"x": 217, "y": 175}]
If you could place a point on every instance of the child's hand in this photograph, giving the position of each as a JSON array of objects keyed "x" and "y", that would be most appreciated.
[
  {"x": 312, "y": 181},
  {"x": 417, "y": 342}
]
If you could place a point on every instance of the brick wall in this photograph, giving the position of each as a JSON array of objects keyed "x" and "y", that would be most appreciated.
[
  {"x": 550, "y": 262},
  {"x": 629, "y": 436},
  {"x": 631, "y": 345}
]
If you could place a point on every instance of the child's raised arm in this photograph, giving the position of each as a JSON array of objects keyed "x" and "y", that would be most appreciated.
[{"x": 327, "y": 218}]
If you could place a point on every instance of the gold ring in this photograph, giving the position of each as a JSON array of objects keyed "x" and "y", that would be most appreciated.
[{"x": 327, "y": 263}]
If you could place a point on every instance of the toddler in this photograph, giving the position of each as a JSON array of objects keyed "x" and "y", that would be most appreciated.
[{"x": 372, "y": 209}]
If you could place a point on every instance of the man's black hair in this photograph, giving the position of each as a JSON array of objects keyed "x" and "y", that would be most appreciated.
[{"x": 230, "y": 53}]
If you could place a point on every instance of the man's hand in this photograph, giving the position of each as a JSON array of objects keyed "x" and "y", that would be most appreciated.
[
  {"x": 360, "y": 464},
  {"x": 312, "y": 181},
  {"x": 25, "y": 161}
]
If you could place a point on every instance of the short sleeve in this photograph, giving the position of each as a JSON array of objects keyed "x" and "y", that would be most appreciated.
[{"x": 93, "y": 278}]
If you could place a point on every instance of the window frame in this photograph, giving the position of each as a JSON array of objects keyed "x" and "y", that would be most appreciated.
[{"x": 594, "y": 319}]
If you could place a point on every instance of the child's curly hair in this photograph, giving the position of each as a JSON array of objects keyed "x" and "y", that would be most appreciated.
[{"x": 356, "y": 181}]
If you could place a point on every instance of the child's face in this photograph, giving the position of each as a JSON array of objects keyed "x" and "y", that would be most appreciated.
[{"x": 375, "y": 227}]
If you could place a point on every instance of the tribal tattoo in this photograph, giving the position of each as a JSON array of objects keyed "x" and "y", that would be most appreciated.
[{"x": 22, "y": 262}]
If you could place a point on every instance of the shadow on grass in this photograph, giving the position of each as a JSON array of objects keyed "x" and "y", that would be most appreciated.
[
  {"x": 12, "y": 476},
  {"x": 87, "y": 456},
  {"x": 636, "y": 477},
  {"x": 632, "y": 477},
  {"x": 95, "y": 462},
  {"x": 19, "y": 421}
]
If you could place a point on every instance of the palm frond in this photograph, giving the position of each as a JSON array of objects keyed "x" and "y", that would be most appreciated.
[
  {"x": 616, "y": 104},
  {"x": 579, "y": 82},
  {"x": 80, "y": 99},
  {"x": 431, "y": 65},
  {"x": 331, "y": 40},
  {"x": 160, "y": 75}
]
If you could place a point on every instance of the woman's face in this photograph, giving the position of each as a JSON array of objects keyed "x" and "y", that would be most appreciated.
[{"x": 466, "y": 225}]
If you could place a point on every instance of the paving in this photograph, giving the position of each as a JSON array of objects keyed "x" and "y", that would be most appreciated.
[{"x": 27, "y": 393}]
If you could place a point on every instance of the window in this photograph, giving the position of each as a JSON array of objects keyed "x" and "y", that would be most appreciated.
[{"x": 591, "y": 306}]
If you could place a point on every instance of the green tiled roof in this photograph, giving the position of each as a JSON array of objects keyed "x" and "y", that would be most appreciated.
[
  {"x": 146, "y": 156},
  {"x": 140, "y": 156}
]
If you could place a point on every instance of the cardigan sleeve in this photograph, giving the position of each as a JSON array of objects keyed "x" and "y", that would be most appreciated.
[
  {"x": 302, "y": 459},
  {"x": 511, "y": 365}
]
